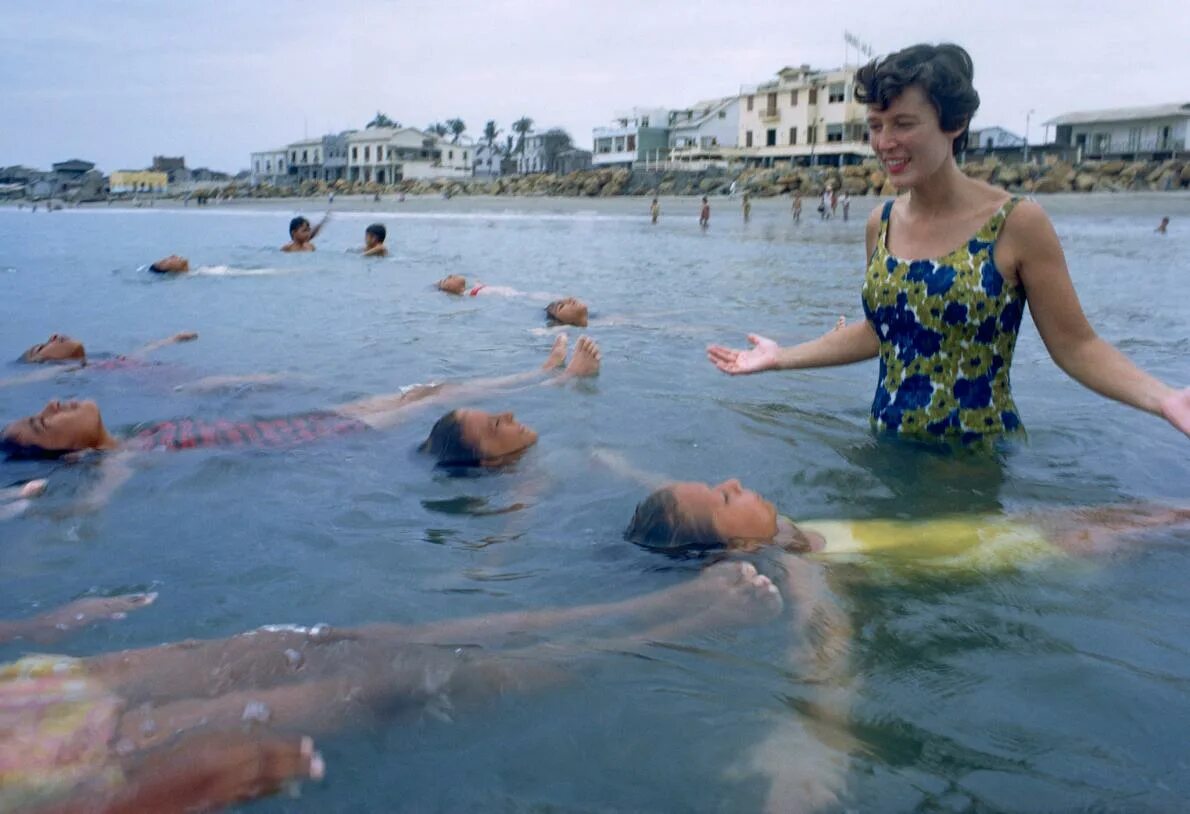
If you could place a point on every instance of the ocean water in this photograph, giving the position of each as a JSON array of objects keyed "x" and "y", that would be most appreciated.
[{"x": 1057, "y": 686}]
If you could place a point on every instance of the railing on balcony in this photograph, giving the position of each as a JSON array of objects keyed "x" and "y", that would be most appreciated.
[{"x": 769, "y": 114}]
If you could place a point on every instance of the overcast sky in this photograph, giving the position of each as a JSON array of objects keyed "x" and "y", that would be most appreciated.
[{"x": 117, "y": 82}]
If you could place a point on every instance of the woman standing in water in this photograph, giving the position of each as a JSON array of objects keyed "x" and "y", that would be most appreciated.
[{"x": 951, "y": 264}]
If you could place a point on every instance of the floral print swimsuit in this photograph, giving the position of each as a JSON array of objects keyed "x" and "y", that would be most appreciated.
[{"x": 947, "y": 330}]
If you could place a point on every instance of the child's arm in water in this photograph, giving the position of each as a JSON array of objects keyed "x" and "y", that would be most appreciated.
[
  {"x": 114, "y": 469},
  {"x": 56, "y": 624},
  {"x": 384, "y": 411},
  {"x": 806, "y": 756},
  {"x": 183, "y": 336},
  {"x": 47, "y": 372},
  {"x": 620, "y": 465},
  {"x": 16, "y": 499}
]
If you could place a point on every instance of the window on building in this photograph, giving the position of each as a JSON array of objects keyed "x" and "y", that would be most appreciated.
[
  {"x": 315, "y": 156},
  {"x": 305, "y": 157},
  {"x": 268, "y": 166},
  {"x": 722, "y": 114},
  {"x": 771, "y": 104},
  {"x": 811, "y": 135},
  {"x": 834, "y": 132},
  {"x": 355, "y": 153},
  {"x": 793, "y": 98},
  {"x": 748, "y": 138},
  {"x": 632, "y": 143},
  {"x": 644, "y": 121},
  {"x": 750, "y": 98},
  {"x": 770, "y": 138},
  {"x": 293, "y": 157},
  {"x": 258, "y": 166},
  {"x": 464, "y": 155},
  {"x": 367, "y": 153},
  {"x": 836, "y": 91},
  {"x": 450, "y": 154},
  {"x": 793, "y": 135},
  {"x": 813, "y": 96}
]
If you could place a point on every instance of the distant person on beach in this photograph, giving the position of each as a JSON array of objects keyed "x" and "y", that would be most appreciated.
[
  {"x": 797, "y": 207},
  {"x": 834, "y": 201},
  {"x": 942, "y": 320},
  {"x": 747, "y": 205},
  {"x": 846, "y": 206},
  {"x": 824, "y": 205},
  {"x": 1161, "y": 227},
  {"x": 374, "y": 237},
  {"x": 301, "y": 234},
  {"x": 704, "y": 214},
  {"x": 655, "y": 210},
  {"x": 64, "y": 428},
  {"x": 174, "y": 264}
]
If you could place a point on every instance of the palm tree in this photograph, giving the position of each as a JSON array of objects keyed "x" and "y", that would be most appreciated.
[
  {"x": 521, "y": 127},
  {"x": 490, "y": 133},
  {"x": 380, "y": 120},
  {"x": 437, "y": 128},
  {"x": 457, "y": 128}
]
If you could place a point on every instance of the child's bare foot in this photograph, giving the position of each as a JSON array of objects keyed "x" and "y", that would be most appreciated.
[
  {"x": 557, "y": 353},
  {"x": 33, "y": 488},
  {"x": 586, "y": 358},
  {"x": 739, "y": 594},
  {"x": 89, "y": 610}
]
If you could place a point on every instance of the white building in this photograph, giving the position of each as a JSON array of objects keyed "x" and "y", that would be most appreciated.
[
  {"x": 636, "y": 135},
  {"x": 486, "y": 162},
  {"x": 1157, "y": 131},
  {"x": 698, "y": 134},
  {"x": 369, "y": 155},
  {"x": 270, "y": 166},
  {"x": 305, "y": 158},
  {"x": 991, "y": 138},
  {"x": 804, "y": 116}
]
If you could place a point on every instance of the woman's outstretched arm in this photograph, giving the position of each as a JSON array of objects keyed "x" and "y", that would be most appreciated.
[
  {"x": 1068, "y": 336},
  {"x": 856, "y": 342}
]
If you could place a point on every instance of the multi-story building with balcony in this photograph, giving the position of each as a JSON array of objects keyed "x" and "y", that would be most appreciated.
[
  {"x": 305, "y": 159},
  {"x": 804, "y": 116},
  {"x": 1156, "y": 131},
  {"x": 270, "y": 166},
  {"x": 699, "y": 134},
  {"x": 639, "y": 135}
]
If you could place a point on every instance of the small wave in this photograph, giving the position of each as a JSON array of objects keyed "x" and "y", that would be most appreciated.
[{"x": 232, "y": 271}]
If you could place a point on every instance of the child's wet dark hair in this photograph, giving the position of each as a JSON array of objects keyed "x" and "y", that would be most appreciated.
[
  {"x": 297, "y": 223},
  {"x": 447, "y": 445},
  {"x": 15, "y": 451},
  {"x": 377, "y": 231},
  {"x": 660, "y": 524},
  {"x": 944, "y": 72}
]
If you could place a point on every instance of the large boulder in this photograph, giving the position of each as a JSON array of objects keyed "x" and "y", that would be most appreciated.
[
  {"x": 1111, "y": 167},
  {"x": 1052, "y": 182},
  {"x": 1085, "y": 182}
]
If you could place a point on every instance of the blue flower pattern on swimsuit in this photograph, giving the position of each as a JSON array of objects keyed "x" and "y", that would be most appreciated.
[{"x": 947, "y": 330}]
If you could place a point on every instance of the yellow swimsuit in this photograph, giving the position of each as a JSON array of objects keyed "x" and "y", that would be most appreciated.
[{"x": 970, "y": 543}]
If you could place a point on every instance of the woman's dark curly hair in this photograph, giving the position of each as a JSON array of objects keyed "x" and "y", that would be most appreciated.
[
  {"x": 658, "y": 523},
  {"x": 944, "y": 72}
]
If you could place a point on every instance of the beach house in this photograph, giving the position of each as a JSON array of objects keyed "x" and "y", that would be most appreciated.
[{"x": 1154, "y": 132}]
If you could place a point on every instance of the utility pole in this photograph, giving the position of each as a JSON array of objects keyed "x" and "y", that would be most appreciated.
[{"x": 1027, "y": 117}]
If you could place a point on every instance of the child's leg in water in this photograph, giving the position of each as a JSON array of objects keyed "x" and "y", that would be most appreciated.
[{"x": 1102, "y": 529}]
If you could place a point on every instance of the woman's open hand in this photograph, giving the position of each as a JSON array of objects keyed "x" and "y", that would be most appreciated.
[{"x": 760, "y": 357}]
